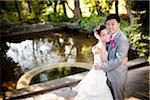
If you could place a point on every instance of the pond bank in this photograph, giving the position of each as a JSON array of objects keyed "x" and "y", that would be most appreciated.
[{"x": 36, "y": 29}]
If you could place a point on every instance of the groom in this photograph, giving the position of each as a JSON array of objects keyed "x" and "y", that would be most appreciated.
[{"x": 116, "y": 67}]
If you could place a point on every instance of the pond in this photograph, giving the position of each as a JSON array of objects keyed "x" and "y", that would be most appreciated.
[
  {"x": 56, "y": 73},
  {"x": 23, "y": 53}
]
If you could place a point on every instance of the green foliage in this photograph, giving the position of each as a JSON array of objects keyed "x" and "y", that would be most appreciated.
[
  {"x": 53, "y": 17},
  {"x": 100, "y": 7},
  {"x": 137, "y": 40},
  {"x": 123, "y": 25},
  {"x": 141, "y": 9},
  {"x": 88, "y": 23},
  {"x": 139, "y": 32},
  {"x": 8, "y": 19}
]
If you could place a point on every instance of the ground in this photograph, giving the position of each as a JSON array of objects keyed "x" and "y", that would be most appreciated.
[{"x": 137, "y": 88}]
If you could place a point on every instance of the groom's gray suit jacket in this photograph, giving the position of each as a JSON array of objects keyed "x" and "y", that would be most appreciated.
[{"x": 114, "y": 67}]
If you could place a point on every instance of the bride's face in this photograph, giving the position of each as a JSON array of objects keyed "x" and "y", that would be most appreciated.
[{"x": 104, "y": 35}]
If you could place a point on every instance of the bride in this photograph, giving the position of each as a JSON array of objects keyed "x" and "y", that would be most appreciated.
[{"x": 94, "y": 86}]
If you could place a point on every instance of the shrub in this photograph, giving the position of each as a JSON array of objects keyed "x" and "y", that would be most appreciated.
[
  {"x": 138, "y": 41},
  {"x": 88, "y": 23}
]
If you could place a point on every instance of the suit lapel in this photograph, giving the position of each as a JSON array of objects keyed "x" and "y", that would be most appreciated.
[
  {"x": 117, "y": 36},
  {"x": 115, "y": 39},
  {"x": 110, "y": 50}
]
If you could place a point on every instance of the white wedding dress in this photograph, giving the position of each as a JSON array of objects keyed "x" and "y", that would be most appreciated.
[{"x": 93, "y": 86}]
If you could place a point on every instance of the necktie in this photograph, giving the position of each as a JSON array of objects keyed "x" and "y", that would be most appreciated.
[{"x": 112, "y": 42}]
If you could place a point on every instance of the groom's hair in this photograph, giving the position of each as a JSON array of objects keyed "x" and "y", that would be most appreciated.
[{"x": 113, "y": 16}]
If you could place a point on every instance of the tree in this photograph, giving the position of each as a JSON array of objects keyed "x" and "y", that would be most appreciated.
[
  {"x": 17, "y": 8},
  {"x": 98, "y": 7},
  {"x": 137, "y": 31},
  {"x": 128, "y": 8},
  {"x": 30, "y": 10},
  {"x": 55, "y": 6},
  {"x": 77, "y": 10},
  {"x": 116, "y": 6},
  {"x": 64, "y": 8},
  {"x": 36, "y": 9}
]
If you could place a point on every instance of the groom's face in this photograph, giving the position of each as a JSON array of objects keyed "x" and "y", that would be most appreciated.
[{"x": 113, "y": 26}]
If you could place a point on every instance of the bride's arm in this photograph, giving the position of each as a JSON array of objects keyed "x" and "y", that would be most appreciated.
[{"x": 121, "y": 55}]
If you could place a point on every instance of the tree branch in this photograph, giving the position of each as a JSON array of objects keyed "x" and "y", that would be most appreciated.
[{"x": 69, "y": 7}]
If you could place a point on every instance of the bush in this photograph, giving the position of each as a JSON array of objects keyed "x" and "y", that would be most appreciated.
[
  {"x": 138, "y": 41},
  {"x": 88, "y": 23},
  {"x": 123, "y": 25},
  {"x": 53, "y": 17}
]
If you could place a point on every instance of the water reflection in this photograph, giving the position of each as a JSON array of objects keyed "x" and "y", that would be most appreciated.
[
  {"x": 32, "y": 53},
  {"x": 48, "y": 48},
  {"x": 29, "y": 54},
  {"x": 56, "y": 73}
]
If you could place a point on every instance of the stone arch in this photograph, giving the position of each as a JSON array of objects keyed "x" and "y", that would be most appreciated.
[{"x": 25, "y": 79}]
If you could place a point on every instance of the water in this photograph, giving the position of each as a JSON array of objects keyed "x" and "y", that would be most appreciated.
[
  {"x": 56, "y": 73},
  {"x": 29, "y": 54},
  {"x": 22, "y": 54}
]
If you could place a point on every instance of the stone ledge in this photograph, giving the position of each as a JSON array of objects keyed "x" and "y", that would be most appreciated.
[
  {"x": 45, "y": 86},
  {"x": 24, "y": 81},
  {"x": 40, "y": 27},
  {"x": 136, "y": 61}
]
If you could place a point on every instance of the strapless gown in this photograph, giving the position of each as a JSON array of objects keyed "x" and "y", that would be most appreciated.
[{"x": 93, "y": 86}]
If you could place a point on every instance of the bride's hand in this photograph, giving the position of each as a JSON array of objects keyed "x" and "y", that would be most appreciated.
[{"x": 97, "y": 67}]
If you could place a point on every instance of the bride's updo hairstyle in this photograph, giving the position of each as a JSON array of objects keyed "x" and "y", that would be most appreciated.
[{"x": 99, "y": 28}]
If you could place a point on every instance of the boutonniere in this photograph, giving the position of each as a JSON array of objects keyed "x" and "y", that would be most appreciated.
[{"x": 112, "y": 42}]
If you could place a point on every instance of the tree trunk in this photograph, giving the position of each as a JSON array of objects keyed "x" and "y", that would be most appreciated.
[
  {"x": 29, "y": 6},
  {"x": 17, "y": 8},
  {"x": 131, "y": 17},
  {"x": 64, "y": 8},
  {"x": 69, "y": 7},
  {"x": 77, "y": 10},
  {"x": 36, "y": 11},
  {"x": 55, "y": 6},
  {"x": 116, "y": 6}
]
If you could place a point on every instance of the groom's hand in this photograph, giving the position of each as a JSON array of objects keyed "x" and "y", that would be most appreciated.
[{"x": 97, "y": 67}]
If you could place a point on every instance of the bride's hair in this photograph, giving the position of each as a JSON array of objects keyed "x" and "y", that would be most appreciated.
[{"x": 100, "y": 28}]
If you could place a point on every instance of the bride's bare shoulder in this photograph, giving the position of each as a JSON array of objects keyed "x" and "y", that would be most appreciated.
[{"x": 96, "y": 49}]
